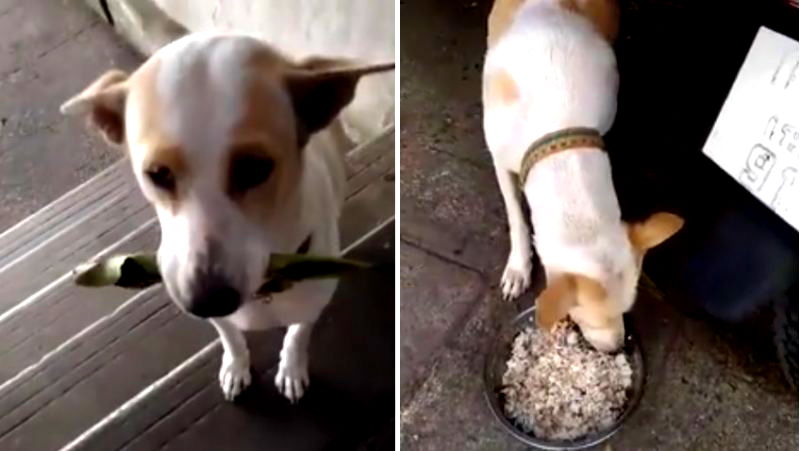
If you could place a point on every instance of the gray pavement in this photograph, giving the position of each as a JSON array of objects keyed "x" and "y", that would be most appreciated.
[
  {"x": 710, "y": 386},
  {"x": 49, "y": 51}
]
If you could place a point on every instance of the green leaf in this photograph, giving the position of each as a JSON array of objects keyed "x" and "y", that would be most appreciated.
[{"x": 141, "y": 271}]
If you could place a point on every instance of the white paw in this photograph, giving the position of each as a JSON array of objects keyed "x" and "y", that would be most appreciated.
[
  {"x": 234, "y": 375},
  {"x": 516, "y": 278},
  {"x": 292, "y": 377}
]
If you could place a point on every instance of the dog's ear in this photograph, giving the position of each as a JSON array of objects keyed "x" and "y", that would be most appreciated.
[
  {"x": 654, "y": 230},
  {"x": 563, "y": 293},
  {"x": 103, "y": 103},
  {"x": 321, "y": 87},
  {"x": 555, "y": 301}
]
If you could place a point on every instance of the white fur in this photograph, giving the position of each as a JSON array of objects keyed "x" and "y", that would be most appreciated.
[
  {"x": 565, "y": 74},
  {"x": 202, "y": 125}
]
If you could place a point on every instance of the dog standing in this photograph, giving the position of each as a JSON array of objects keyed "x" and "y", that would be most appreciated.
[
  {"x": 238, "y": 149},
  {"x": 549, "y": 95}
]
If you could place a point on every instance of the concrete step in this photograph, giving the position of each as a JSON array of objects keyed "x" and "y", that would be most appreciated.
[{"x": 72, "y": 355}]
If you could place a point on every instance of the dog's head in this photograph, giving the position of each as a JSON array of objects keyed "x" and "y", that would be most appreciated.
[
  {"x": 215, "y": 127},
  {"x": 597, "y": 305}
]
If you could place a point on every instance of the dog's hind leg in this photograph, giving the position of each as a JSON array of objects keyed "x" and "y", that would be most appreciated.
[
  {"x": 517, "y": 274},
  {"x": 234, "y": 374},
  {"x": 292, "y": 377}
]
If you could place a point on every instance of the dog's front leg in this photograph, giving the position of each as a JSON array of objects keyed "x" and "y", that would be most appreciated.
[
  {"x": 234, "y": 374},
  {"x": 517, "y": 275},
  {"x": 292, "y": 377}
]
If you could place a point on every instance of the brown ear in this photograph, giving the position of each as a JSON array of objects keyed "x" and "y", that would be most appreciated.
[
  {"x": 321, "y": 87},
  {"x": 562, "y": 294},
  {"x": 555, "y": 301},
  {"x": 103, "y": 102},
  {"x": 654, "y": 230}
]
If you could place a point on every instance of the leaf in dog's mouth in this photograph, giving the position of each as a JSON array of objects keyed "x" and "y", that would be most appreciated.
[{"x": 138, "y": 271}]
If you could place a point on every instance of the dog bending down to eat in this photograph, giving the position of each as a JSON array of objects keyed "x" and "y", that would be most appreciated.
[
  {"x": 239, "y": 150},
  {"x": 549, "y": 94}
]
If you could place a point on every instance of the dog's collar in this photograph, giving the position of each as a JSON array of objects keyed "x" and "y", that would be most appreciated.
[
  {"x": 555, "y": 142},
  {"x": 305, "y": 246}
]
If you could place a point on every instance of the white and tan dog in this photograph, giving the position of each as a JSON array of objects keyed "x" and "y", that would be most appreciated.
[
  {"x": 549, "y": 94},
  {"x": 236, "y": 147}
]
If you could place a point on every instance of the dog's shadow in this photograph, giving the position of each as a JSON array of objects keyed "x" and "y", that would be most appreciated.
[
  {"x": 325, "y": 410},
  {"x": 350, "y": 398}
]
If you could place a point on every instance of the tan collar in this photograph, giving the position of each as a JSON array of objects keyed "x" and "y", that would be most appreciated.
[{"x": 555, "y": 142}]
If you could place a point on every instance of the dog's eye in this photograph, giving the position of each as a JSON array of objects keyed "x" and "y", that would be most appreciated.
[
  {"x": 248, "y": 172},
  {"x": 161, "y": 177}
]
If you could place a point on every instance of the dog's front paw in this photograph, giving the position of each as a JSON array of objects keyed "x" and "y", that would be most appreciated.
[
  {"x": 516, "y": 278},
  {"x": 292, "y": 377},
  {"x": 234, "y": 375}
]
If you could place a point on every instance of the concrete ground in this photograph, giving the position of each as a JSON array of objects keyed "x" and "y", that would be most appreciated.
[
  {"x": 49, "y": 52},
  {"x": 710, "y": 385}
]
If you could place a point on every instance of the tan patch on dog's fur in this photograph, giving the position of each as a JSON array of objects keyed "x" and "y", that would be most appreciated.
[
  {"x": 171, "y": 157},
  {"x": 249, "y": 137},
  {"x": 555, "y": 301},
  {"x": 153, "y": 137},
  {"x": 264, "y": 129},
  {"x": 586, "y": 297},
  {"x": 594, "y": 302},
  {"x": 103, "y": 103},
  {"x": 330, "y": 83},
  {"x": 604, "y": 14},
  {"x": 501, "y": 88},
  {"x": 653, "y": 231},
  {"x": 500, "y": 18},
  {"x": 160, "y": 148},
  {"x": 567, "y": 291}
]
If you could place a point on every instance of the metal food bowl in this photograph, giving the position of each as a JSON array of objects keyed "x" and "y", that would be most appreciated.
[{"x": 495, "y": 367}]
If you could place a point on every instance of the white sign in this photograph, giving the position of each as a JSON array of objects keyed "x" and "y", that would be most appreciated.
[{"x": 756, "y": 138}]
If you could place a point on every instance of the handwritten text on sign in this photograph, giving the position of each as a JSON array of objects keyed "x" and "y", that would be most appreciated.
[{"x": 756, "y": 138}]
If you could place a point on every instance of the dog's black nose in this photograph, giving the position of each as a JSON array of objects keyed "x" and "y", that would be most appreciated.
[{"x": 213, "y": 296}]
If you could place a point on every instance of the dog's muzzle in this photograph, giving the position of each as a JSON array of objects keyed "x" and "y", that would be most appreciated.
[
  {"x": 210, "y": 291},
  {"x": 212, "y": 295}
]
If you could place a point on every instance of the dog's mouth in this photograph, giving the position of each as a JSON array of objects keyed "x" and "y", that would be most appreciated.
[
  {"x": 215, "y": 311},
  {"x": 211, "y": 296}
]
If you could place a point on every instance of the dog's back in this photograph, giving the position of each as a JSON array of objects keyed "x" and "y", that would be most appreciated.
[
  {"x": 548, "y": 68},
  {"x": 563, "y": 72}
]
